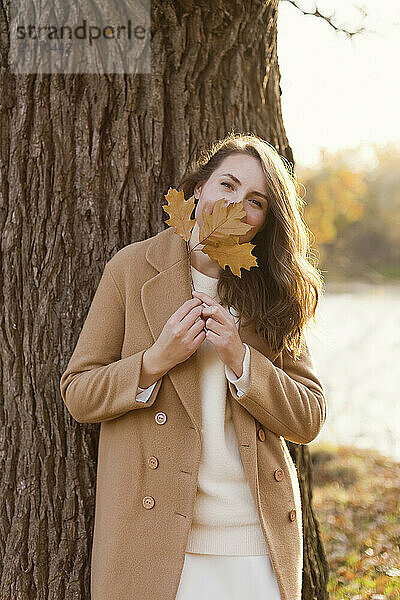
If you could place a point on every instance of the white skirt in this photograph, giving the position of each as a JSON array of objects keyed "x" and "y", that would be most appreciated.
[{"x": 227, "y": 577}]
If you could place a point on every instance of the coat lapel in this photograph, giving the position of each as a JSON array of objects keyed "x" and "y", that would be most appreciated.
[{"x": 162, "y": 295}]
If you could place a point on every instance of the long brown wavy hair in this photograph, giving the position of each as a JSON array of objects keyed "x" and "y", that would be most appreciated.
[{"x": 280, "y": 295}]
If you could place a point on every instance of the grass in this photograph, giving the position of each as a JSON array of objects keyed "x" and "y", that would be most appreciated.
[
  {"x": 392, "y": 271},
  {"x": 356, "y": 497}
]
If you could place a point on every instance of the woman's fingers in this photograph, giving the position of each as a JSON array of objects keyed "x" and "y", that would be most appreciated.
[
  {"x": 215, "y": 314},
  {"x": 214, "y": 309},
  {"x": 213, "y": 325},
  {"x": 205, "y": 297}
]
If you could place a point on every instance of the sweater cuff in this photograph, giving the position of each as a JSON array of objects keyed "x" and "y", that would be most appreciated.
[
  {"x": 241, "y": 383},
  {"x": 145, "y": 393}
]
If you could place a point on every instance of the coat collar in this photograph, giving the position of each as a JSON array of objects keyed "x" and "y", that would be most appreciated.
[{"x": 163, "y": 294}]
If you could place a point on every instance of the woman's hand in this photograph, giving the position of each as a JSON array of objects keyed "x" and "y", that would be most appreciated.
[
  {"x": 223, "y": 333},
  {"x": 180, "y": 337}
]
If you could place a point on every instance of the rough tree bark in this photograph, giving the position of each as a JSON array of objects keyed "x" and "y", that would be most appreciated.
[{"x": 85, "y": 162}]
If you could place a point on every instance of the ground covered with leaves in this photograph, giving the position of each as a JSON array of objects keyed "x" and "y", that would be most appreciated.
[{"x": 356, "y": 497}]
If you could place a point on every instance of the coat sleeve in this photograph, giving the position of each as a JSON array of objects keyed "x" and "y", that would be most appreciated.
[
  {"x": 289, "y": 401},
  {"x": 98, "y": 385}
]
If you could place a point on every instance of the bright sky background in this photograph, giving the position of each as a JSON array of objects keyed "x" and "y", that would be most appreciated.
[{"x": 339, "y": 93}]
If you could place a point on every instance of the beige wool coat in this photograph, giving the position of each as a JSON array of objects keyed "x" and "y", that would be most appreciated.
[{"x": 149, "y": 453}]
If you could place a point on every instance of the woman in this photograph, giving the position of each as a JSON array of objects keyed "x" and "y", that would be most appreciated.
[{"x": 197, "y": 377}]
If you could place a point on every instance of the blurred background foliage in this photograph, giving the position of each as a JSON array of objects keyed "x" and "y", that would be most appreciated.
[{"x": 354, "y": 214}]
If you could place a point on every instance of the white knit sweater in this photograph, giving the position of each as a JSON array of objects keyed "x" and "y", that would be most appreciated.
[{"x": 225, "y": 519}]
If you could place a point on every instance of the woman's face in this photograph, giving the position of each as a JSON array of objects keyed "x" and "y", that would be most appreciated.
[{"x": 239, "y": 177}]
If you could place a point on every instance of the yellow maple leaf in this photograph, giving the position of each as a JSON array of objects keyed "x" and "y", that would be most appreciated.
[
  {"x": 226, "y": 219},
  {"x": 219, "y": 233},
  {"x": 236, "y": 256},
  {"x": 180, "y": 210},
  {"x": 222, "y": 223}
]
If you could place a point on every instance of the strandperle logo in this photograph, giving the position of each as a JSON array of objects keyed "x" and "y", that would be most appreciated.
[
  {"x": 81, "y": 32},
  {"x": 111, "y": 37}
]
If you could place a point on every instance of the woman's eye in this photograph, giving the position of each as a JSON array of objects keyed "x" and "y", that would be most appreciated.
[{"x": 231, "y": 187}]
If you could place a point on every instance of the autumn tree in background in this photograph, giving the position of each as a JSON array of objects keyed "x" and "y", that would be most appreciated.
[
  {"x": 354, "y": 214},
  {"x": 333, "y": 201},
  {"x": 85, "y": 162}
]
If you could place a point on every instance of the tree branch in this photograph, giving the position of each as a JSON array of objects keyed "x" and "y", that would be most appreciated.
[{"x": 328, "y": 19}]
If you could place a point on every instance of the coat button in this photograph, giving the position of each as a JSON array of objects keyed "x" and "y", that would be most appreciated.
[
  {"x": 148, "y": 502},
  {"x": 278, "y": 474},
  {"x": 153, "y": 462},
  {"x": 261, "y": 435},
  {"x": 160, "y": 418},
  {"x": 292, "y": 514}
]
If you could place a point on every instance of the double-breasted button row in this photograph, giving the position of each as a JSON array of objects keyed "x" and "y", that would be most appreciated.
[
  {"x": 160, "y": 418},
  {"x": 148, "y": 501},
  {"x": 261, "y": 434}
]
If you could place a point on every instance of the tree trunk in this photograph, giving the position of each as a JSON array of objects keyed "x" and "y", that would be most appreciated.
[{"x": 85, "y": 162}]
